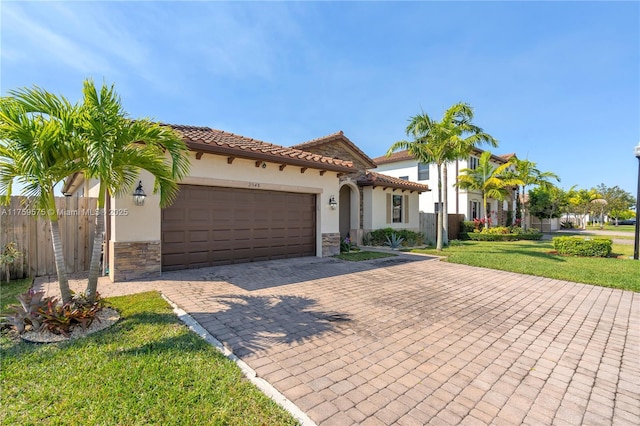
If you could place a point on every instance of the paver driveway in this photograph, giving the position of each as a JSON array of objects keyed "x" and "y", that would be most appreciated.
[{"x": 410, "y": 340}]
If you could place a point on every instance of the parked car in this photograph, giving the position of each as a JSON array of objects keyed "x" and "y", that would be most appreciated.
[{"x": 631, "y": 221}]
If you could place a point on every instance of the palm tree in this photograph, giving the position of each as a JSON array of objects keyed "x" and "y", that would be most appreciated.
[
  {"x": 439, "y": 142},
  {"x": 527, "y": 172},
  {"x": 460, "y": 118},
  {"x": 37, "y": 151},
  {"x": 580, "y": 200},
  {"x": 490, "y": 181},
  {"x": 116, "y": 148}
]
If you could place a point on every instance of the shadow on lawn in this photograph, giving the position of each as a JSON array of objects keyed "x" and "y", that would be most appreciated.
[{"x": 249, "y": 324}]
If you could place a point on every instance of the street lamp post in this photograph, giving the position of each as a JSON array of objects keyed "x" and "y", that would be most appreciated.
[{"x": 636, "y": 246}]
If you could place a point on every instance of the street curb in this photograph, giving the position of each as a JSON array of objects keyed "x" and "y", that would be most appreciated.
[{"x": 249, "y": 372}]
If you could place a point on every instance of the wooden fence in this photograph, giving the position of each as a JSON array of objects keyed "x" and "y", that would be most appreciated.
[
  {"x": 429, "y": 226},
  {"x": 30, "y": 231}
]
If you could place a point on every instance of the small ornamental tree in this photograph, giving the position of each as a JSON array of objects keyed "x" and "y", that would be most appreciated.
[{"x": 9, "y": 254}]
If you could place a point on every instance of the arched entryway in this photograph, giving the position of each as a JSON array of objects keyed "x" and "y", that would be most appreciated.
[
  {"x": 345, "y": 212},
  {"x": 349, "y": 205}
]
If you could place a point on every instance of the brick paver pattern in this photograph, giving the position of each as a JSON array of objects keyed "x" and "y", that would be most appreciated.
[{"x": 412, "y": 341}]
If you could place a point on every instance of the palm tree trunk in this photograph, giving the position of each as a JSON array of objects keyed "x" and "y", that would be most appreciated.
[
  {"x": 439, "y": 223},
  {"x": 484, "y": 207},
  {"x": 523, "y": 206},
  {"x": 445, "y": 207},
  {"x": 94, "y": 266},
  {"x": 58, "y": 255}
]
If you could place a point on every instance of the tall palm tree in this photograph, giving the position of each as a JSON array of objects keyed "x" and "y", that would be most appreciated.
[
  {"x": 527, "y": 172},
  {"x": 428, "y": 146},
  {"x": 490, "y": 181},
  {"x": 464, "y": 137},
  {"x": 36, "y": 150},
  {"x": 116, "y": 148},
  {"x": 439, "y": 142}
]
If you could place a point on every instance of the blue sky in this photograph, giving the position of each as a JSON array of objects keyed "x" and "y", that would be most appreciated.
[{"x": 555, "y": 82}]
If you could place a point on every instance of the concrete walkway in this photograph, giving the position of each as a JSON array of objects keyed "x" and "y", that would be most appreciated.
[{"x": 412, "y": 341}]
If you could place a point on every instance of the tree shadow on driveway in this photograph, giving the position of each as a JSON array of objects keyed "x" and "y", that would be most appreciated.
[
  {"x": 273, "y": 273},
  {"x": 249, "y": 324}
]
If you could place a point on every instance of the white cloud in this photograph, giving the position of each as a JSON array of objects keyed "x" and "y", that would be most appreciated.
[{"x": 41, "y": 44}]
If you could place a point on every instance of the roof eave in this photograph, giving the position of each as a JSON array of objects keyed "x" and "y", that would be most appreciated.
[{"x": 259, "y": 155}]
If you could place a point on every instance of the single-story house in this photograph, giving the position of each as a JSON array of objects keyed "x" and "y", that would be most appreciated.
[{"x": 247, "y": 200}]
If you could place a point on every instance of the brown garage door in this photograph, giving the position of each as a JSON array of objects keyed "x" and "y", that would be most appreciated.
[{"x": 209, "y": 226}]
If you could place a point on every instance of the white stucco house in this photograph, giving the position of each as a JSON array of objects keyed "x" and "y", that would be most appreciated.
[
  {"x": 247, "y": 200},
  {"x": 401, "y": 165}
]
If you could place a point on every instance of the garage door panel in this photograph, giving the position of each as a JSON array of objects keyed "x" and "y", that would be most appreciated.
[
  {"x": 202, "y": 215},
  {"x": 198, "y": 236},
  {"x": 209, "y": 226},
  {"x": 174, "y": 237}
]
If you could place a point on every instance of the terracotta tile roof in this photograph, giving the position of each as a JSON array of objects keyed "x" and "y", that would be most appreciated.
[
  {"x": 393, "y": 158},
  {"x": 339, "y": 135},
  {"x": 205, "y": 139},
  {"x": 508, "y": 157},
  {"x": 378, "y": 179},
  {"x": 404, "y": 155}
]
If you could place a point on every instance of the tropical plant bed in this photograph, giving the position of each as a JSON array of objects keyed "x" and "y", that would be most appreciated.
[
  {"x": 105, "y": 318},
  {"x": 146, "y": 369},
  {"x": 363, "y": 255}
]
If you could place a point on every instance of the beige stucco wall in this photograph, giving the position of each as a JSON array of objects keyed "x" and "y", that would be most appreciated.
[
  {"x": 376, "y": 216},
  {"x": 142, "y": 223},
  {"x": 131, "y": 223}
]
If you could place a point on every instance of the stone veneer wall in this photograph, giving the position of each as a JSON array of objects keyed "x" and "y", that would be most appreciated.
[
  {"x": 330, "y": 244},
  {"x": 135, "y": 260}
]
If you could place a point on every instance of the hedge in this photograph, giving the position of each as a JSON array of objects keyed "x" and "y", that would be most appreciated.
[
  {"x": 379, "y": 237},
  {"x": 576, "y": 246},
  {"x": 487, "y": 236},
  {"x": 484, "y": 236}
]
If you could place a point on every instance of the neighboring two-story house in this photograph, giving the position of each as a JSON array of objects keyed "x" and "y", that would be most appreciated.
[{"x": 401, "y": 165}]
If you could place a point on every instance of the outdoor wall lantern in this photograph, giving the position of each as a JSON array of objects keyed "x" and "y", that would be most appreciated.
[
  {"x": 332, "y": 202},
  {"x": 139, "y": 195}
]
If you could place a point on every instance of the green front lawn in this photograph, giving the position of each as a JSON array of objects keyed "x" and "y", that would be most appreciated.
[
  {"x": 534, "y": 258},
  {"x": 147, "y": 369},
  {"x": 9, "y": 291}
]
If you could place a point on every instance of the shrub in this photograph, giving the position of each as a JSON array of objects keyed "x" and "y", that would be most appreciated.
[
  {"x": 486, "y": 236},
  {"x": 501, "y": 233},
  {"x": 497, "y": 230},
  {"x": 394, "y": 241},
  {"x": 410, "y": 238},
  {"x": 530, "y": 235},
  {"x": 576, "y": 246},
  {"x": 8, "y": 255},
  {"x": 468, "y": 226},
  {"x": 37, "y": 312}
]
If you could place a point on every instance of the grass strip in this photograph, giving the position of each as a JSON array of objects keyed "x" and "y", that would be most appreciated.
[
  {"x": 358, "y": 256},
  {"x": 147, "y": 369}
]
